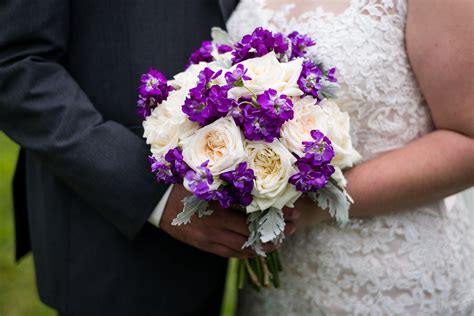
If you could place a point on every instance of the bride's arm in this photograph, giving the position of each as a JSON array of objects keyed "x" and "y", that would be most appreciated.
[{"x": 441, "y": 50}]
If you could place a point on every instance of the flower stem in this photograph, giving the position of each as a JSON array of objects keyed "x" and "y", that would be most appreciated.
[
  {"x": 242, "y": 275},
  {"x": 254, "y": 96},
  {"x": 266, "y": 272},
  {"x": 278, "y": 261},
  {"x": 251, "y": 273},
  {"x": 259, "y": 269},
  {"x": 274, "y": 269}
]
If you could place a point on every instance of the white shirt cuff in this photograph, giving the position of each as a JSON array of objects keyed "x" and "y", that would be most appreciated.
[{"x": 155, "y": 217}]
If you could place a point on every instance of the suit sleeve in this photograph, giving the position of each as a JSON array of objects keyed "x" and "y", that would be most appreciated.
[{"x": 44, "y": 110}]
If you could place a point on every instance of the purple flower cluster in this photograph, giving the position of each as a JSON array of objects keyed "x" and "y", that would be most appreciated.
[
  {"x": 198, "y": 182},
  {"x": 154, "y": 89},
  {"x": 309, "y": 79},
  {"x": 237, "y": 188},
  {"x": 259, "y": 43},
  {"x": 331, "y": 75},
  {"x": 314, "y": 168},
  {"x": 204, "y": 53},
  {"x": 170, "y": 168},
  {"x": 262, "y": 117},
  {"x": 206, "y": 102},
  {"x": 299, "y": 44},
  {"x": 237, "y": 77}
]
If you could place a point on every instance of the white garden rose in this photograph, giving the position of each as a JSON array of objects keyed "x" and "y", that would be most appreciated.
[
  {"x": 273, "y": 165},
  {"x": 167, "y": 124},
  {"x": 339, "y": 134},
  {"x": 267, "y": 72},
  {"x": 220, "y": 142},
  {"x": 327, "y": 118},
  {"x": 307, "y": 117}
]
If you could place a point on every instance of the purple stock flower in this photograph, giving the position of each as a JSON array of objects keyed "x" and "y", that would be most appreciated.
[
  {"x": 170, "y": 168},
  {"x": 236, "y": 78},
  {"x": 224, "y": 197},
  {"x": 314, "y": 169},
  {"x": 331, "y": 75},
  {"x": 309, "y": 78},
  {"x": 319, "y": 151},
  {"x": 258, "y": 123},
  {"x": 175, "y": 158},
  {"x": 280, "y": 106},
  {"x": 259, "y": 43},
  {"x": 205, "y": 102},
  {"x": 204, "y": 53},
  {"x": 241, "y": 178},
  {"x": 198, "y": 181},
  {"x": 162, "y": 170},
  {"x": 309, "y": 178},
  {"x": 217, "y": 100},
  {"x": 280, "y": 45},
  {"x": 263, "y": 117},
  {"x": 238, "y": 186},
  {"x": 154, "y": 89},
  {"x": 222, "y": 49},
  {"x": 299, "y": 44}
]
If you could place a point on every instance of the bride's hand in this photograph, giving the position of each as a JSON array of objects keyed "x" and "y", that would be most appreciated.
[{"x": 305, "y": 213}]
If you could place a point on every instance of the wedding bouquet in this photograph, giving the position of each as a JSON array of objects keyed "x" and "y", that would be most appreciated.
[{"x": 250, "y": 124}]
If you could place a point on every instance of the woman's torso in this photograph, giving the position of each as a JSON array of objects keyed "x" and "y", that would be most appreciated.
[{"x": 417, "y": 261}]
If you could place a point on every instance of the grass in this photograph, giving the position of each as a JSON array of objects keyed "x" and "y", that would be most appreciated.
[{"x": 18, "y": 295}]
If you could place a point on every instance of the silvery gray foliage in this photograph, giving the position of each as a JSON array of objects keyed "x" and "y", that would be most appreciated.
[
  {"x": 192, "y": 205},
  {"x": 316, "y": 60},
  {"x": 254, "y": 241},
  {"x": 221, "y": 37},
  {"x": 265, "y": 226},
  {"x": 328, "y": 89},
  {"x": 271, "y": 225},
  {"x": 335, "y": 200}
]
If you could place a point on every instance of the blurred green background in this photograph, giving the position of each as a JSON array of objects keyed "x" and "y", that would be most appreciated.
[{"x": 18, "y": 295}]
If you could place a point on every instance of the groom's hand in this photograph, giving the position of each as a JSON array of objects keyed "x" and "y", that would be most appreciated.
[{"x": 223, "y": 233}]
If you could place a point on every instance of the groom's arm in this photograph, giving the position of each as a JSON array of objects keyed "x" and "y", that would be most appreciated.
[{"x": 44, "y": 110}]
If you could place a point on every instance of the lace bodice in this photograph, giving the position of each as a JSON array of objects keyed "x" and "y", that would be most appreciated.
[
  {"x": 365, "y": 42},
  {"x": 416, "y": 262}
]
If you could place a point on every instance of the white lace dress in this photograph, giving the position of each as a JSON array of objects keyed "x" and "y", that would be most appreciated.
[{"x": 416, "y": 262}]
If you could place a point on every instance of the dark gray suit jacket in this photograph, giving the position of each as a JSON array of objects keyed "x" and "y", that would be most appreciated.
[{"x": 69, "y": 71}]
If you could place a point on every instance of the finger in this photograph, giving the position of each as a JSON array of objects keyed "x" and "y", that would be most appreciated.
[
  {"x": 270, "y": 247},
  {"x": 234, "y": 241},
  {"x": 291, "y": 214},
  {"x": 290, "y": 229},
  {"x": 227, "y": 252},
  {"x": 235, "y": 221}
]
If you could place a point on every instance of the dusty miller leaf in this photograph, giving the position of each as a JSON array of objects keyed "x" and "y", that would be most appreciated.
[
  {"x": 329, "y": 89},
  {"x": 271, "y": 225},
  {"x": 332, "y": 198},
  {"x": 221, "y": 37},
  {"x": 192, "y": 205},
  {"x": 254, "y": 238}
]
